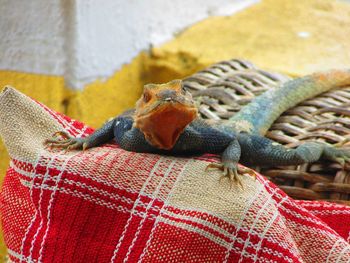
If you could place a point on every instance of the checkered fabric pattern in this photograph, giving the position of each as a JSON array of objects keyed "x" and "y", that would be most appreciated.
[{"x": 109, "y": 205}]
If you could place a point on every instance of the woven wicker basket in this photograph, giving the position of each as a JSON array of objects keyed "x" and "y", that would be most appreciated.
[{"x": 222, "y": 89}]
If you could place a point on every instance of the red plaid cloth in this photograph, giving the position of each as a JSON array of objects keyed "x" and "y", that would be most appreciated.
[{"x": 110, "y": 205}]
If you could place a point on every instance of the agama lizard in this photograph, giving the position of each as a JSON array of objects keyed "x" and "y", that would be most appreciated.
[{"x": 165, "y": 121}]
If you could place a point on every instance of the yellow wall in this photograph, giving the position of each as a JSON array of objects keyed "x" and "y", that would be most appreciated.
[{"x": 267, "y": 34}]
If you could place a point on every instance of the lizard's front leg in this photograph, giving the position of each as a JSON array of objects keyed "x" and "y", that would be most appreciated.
[
  {"x": 68, "y": 142},
  {"x": 229, "y": 163}
]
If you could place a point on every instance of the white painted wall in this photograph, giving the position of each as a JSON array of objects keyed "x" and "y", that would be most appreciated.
[
  {"x": 32, "y": 36},
  {"x": 88, "y": 39}
]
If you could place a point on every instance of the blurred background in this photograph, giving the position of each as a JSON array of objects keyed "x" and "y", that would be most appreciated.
[{"x": 89, "y": 59}]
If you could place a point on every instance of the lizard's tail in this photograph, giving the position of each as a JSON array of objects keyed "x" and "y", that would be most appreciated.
[{"x": 266, "y": 108}]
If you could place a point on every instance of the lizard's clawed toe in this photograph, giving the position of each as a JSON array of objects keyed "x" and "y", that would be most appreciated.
[
  {"x": 74, "y": 146},
  {"x": 63, "y": 140},
  {"x": 215, "y": 166},
  {"x": 245, "y": 170},
  {"x": 232, "y": 172},
  {"x": 58, "y": 144},
  {"x": 63, "y": 134}
]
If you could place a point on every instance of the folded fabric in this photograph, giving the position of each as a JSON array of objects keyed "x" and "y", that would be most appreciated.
[{"x": 109, "y": 205}]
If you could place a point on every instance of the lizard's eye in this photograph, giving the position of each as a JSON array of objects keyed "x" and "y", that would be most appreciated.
[{"x": 146, "y": 97}]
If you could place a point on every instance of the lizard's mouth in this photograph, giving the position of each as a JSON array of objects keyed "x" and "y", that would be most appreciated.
[{"x": 164, "y": 124}]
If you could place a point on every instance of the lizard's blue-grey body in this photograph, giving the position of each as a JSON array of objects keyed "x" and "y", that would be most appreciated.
[{"x": 248, "y": 145}]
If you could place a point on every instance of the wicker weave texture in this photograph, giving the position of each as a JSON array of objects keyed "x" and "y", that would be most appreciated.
[{"x": 222, "y": 89}]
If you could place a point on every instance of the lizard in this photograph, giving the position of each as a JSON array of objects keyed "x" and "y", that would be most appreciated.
[{"x": 165, "y": 121}]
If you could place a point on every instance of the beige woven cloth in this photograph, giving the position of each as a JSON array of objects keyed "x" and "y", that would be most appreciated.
[
  {"x": 151, "y": 208},
  {"x": 24, "y": 126}
]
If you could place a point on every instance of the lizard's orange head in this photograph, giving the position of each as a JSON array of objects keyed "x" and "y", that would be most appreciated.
[{"x": 163, "y": 112}]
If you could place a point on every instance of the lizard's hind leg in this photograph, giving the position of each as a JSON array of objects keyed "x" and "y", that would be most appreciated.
[
  {"x": 315, "y": 151},
  {"x": 258, "y": 150}
]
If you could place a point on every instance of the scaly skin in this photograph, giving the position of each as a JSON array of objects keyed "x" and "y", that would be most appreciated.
[{"x": 165, "y": 121}]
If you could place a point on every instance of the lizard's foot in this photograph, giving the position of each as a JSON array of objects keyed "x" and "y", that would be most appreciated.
[
  {"x": 232, "y": 171},
  {"x": 66, "y": 141},
  {"x": 338, "y": 155}
]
